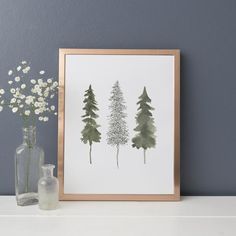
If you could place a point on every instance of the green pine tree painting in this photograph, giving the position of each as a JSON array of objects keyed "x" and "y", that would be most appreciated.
[
  {"x": 117, "y": 134},
  {"x": 145, "y": 137},
  {"x": 90, "y": 132}
]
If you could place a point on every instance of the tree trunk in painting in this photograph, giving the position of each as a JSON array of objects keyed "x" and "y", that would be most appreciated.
[
  {"x": 117, "y": 156},
  {"x": 90, "y": 154}
]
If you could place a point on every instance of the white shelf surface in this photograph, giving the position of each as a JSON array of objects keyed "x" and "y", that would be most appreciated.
[{"x": 200, "y": 216}]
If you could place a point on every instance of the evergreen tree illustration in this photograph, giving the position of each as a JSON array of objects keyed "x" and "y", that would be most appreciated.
[
  {"x": 145, "y": 137},
  {"x": 90, "y": 132},
  {"x": 118, "y": 132}
]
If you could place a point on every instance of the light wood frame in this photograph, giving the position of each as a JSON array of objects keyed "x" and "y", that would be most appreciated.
[{"x": 61, "y": 108}]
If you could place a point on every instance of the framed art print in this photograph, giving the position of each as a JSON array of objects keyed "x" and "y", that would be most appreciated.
[{"x": 118, "y": 133}]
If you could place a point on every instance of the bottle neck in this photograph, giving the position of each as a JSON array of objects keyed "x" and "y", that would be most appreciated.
[
  {"x": 48, "y": 170},
  {"x": 29, "y": 136}
]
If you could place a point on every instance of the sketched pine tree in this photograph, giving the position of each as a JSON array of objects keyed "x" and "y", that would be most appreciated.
[
  {"x": 145, "y": 137},
  {"x": 90, "y": 132},
  {"x": 117, "y": 133}
]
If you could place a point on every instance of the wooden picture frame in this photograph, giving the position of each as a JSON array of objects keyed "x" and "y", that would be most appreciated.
[{"x": 64, "y": 55}]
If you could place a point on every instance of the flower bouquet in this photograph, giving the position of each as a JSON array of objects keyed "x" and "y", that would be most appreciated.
[{"x": 29, "y": 97}]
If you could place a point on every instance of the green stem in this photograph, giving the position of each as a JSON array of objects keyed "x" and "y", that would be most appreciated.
[{"x": 28, "y": 171}]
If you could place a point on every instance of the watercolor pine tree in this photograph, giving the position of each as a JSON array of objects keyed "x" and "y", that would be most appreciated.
[
  {"x": 90, "y": 132},
  {"x": 117, "y": 134},
  {"x": 145, "y": 137}
]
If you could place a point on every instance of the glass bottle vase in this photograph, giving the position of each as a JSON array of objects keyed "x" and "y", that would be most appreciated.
[
  {"x": 28, "y": 161},
  {"x": 48, "y": 189}
]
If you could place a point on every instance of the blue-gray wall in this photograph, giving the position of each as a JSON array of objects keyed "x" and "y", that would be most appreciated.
[{"x": 205, "y": 31}]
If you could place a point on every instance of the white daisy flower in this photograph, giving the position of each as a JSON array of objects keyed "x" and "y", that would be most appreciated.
[
  {"x": 12, "y": 90},
  {"x": 18, "y": 68},
  {"x": 33, "y": 81},
  {"x": 36, "y": 104},
  {"x": 40, "y": 82},
  {"x": 23, "y": 86},
  {"x": 1, "y": 108},
  {"x": 10, "y": 72},
  {"x": 2, "y": 91},
  {"x": 10, "y": 82},
  {"x": 37, "y": 111},
  {"x": 29, "y": 100},
  {"x": 55, "y": 83},
  {"x": 13, "y": 100},
  {"x": 27, "y": 112},
  {"x": 40, "y": 118},
  {"x": 14, "y": 109},
  {"x": 45, "y": 119},
  {"x": 23, "y": 62},
  {"x": 55, "y": 113},
  {"x": 52, "y": 108},
  {"x": 46, "y": 94},
  {"x": 21, "y": 106},
  {"x": 26, "y": 70},
  {"x": 17, "y": 79},
  {"x": 49, "y": 81},
  {"x": 36, "y": 86},
  {"x": 42, "y": 72}
]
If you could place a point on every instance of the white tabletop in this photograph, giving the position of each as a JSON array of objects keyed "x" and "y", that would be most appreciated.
[{"x": 200, "y": 216}]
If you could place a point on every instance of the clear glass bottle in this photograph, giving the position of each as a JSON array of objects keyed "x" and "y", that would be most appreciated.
[
  {"x": 28, "y": 161},
  {"x": 48, "y": 189}
]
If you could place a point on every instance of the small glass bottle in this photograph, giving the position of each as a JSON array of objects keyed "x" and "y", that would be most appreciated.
[
  {"x": 48, "y": 189},
  {"x": 28, "y": 161}
]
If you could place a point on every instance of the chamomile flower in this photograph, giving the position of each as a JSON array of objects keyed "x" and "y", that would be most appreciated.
[
  {"x": 35, "y": 95},
  {"x": 27, "y": 112},
  {"x": 12, "y": 90},
  {"x": 37, "y": 111},
  {"x": 26, "y": 70},
  {"x": 14, "y": 109},
  {"x": 17, "y": 79},
  {"x": 13, "y": 100}
]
